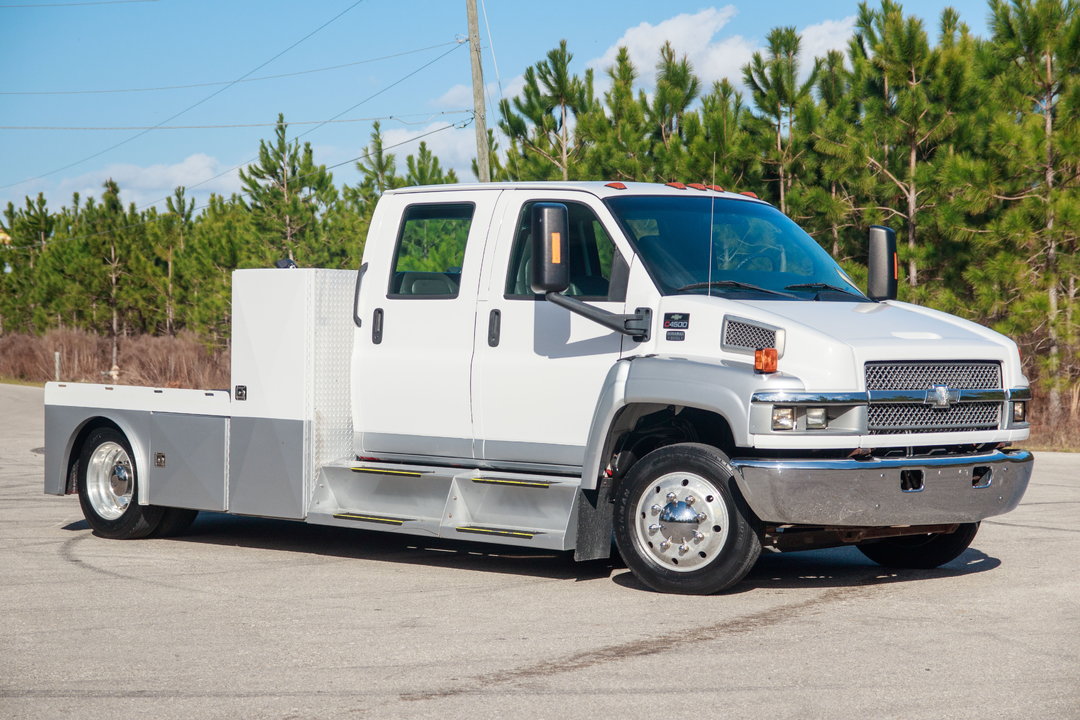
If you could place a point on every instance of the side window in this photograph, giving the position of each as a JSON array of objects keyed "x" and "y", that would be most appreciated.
[
  {"x": 593, "y": 257},
  {"x": 430, "y": 250}
]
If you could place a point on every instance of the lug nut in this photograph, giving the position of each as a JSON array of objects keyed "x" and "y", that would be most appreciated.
[
  {"x": 683, "y": 548},
  {"x": 664, "y": 545},
  {"x": 656, "y": 509},
  {"x": 690, "y": 499},
  {"x": 653, "y": 528},
  {"x": 701, "y": 517},
  {"x": 671, "y": 497},
  {"x": 698, "y": 537}
]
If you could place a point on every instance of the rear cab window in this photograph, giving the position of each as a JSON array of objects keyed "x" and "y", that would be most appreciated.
[{"x": 430, "y": 250}]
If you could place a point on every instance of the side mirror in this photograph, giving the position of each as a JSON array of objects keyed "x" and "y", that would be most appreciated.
[
  {"x": 550, "y": 249},
  {"x": 883, "y": 266}
]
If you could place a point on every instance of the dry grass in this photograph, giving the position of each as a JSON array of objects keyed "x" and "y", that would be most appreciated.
[{"x": 180, "y": 361}]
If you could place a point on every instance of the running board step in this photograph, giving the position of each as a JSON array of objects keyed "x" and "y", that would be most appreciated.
[
  {"x": 499, "y": 532},
  {"x": 539, "y": 484},
  {"x": 387, "y": 471},
  {"x": 366, "y": 517}
]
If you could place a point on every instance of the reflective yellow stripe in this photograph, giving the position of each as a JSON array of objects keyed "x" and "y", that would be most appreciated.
[
  {"x": 380, "y": 471},
  {"x": 369, "y": 518},
  {"x": 516, "y": 483},
  {"x": 498, "y": 531}
]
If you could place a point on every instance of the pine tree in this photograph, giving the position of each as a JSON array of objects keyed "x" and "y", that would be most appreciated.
[{"x": 287, "y": 192}]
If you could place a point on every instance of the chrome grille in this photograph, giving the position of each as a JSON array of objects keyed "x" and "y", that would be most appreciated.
[
  {"x": 922, "y": 375},
  {"x": 900, "y": 418},
  {"x": 745, "y": 335}
]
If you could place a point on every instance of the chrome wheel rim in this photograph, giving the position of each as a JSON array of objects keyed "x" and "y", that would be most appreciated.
[
  {"x": 681, "y": 522},
  {"x": 110, "y": 480}
]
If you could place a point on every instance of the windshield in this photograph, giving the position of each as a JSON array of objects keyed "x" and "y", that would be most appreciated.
[{"x": 731, "y": 247}]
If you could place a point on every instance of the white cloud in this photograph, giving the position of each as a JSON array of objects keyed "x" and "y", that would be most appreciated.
[
  {"x": 817, "y": 40},
  {"x": 692, "y": 35},
  {"x": 713, "y": 57},
  {"x": 150, "y": 184},
  {"x": 457, "y": 97},
  {"x": 455, "y": 147}
]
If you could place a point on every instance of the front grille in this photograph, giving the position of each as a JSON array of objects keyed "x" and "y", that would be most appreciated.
[
  {"x": 745, "y": 335},
  {"x": 904, "y": 418},
  {"x": 901, "y": 418},
  {"x": 922, "y": 375}
]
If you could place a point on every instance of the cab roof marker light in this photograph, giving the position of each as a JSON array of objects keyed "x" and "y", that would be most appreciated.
[
  {"x": 747, "y": 193},
  {"x": 616, "y": 185},
  {"x": 715, "y": 188},
  {"x": 696, "y": 186},
  {"x": 676, "y": 185}
]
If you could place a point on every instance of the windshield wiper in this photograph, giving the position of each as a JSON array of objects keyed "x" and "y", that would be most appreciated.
[
  {"x": 733, "y": 284},
  {"x": 821, "y": 286}
]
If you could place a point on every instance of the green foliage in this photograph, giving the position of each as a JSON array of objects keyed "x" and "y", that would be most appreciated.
[{"x": 969, "y": 147}]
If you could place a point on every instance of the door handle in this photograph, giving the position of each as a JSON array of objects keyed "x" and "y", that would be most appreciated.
[
  {"x": 494, "y": 327},
  {"x": 376, "y": 326},
  {"x": 356, "y": 296}
]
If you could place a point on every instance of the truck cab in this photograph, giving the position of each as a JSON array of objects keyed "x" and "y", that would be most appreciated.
[{"x": 555, "y": 364}]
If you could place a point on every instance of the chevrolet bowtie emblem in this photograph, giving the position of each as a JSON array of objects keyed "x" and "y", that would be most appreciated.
[{"x": 941, "y": 397}]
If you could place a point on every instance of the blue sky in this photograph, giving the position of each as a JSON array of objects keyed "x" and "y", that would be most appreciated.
[{"x": 48, "y": 46}]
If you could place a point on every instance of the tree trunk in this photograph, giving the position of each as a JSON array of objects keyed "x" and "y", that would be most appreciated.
[
  {"x": 912, "y": 199},
  {"x": 1054, "y": 400}
]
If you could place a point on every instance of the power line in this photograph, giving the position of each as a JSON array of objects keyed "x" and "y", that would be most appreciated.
[
  {"x": 324, "y": 122},
  {"x": 75, "y": 4},
  {"x": 132, "y": 226},
  {"x": 226, "y": 82},
  {"x": 398, "y": 117},
  {"x": 188, "y": 108}
]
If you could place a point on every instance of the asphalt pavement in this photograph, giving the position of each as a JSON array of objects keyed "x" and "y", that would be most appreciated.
[{"x": 252, "y": 618}]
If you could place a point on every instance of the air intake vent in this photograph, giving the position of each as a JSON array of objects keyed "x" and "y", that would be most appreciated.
[{"x": 750, "y": 337}]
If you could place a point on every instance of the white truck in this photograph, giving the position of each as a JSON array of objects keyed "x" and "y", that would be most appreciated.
[{"x": 554, "y": 365}]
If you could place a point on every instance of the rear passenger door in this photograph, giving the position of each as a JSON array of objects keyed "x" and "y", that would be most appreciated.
[{"x": 418, "y": 305}]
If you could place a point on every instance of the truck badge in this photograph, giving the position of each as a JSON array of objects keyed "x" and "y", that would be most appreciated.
[
  {"x": 941, "y": 397},
  {"x": 676, "y": 321}
]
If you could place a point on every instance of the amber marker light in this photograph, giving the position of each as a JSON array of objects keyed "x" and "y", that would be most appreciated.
[{"x": 766, "y": 360}]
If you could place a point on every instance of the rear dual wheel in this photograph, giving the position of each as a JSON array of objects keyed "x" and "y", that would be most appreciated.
[
  {"x": 681, "y": 524},
  {"x": 107, "y": 481}
]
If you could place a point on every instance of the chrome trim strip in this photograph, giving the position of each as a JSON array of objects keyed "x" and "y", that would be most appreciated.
[
  {"x": 1023, "y": 393},
  {"x": 1013, "y": 456},
  {"x": 921, "y": 396},
  {"x": 811, "y": 398}
]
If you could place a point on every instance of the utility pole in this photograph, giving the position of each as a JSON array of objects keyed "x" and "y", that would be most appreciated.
[{"x": 483, "y": 162}]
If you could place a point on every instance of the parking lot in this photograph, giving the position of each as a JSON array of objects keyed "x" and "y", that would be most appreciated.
[{"x": 252, "y": 618}]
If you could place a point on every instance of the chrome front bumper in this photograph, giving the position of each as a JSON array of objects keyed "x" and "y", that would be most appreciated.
[{"x": 869, "y": 492}]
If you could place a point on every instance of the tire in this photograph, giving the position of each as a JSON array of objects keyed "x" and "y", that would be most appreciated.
[
  {"x": 174, "y": 521},
  {"x": 921, "y": 552},
  {"x": 108, "y": 488},
  {"x": 681, "y": 524}
]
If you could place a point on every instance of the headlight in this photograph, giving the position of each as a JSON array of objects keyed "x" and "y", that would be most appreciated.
[
  {"x": 816, "y": 418},
  {"x": 783, "y": 418}
]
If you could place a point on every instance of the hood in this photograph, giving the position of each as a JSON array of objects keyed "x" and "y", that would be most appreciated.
[{"x": 826, "y": 344}]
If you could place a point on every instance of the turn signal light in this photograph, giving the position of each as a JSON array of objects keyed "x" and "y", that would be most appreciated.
[{"x": 766, "y": 360}]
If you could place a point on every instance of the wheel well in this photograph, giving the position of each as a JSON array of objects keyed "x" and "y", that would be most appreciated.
[
  {"x": 77, "y": 445},
  {"x": 641, "y": 428}
]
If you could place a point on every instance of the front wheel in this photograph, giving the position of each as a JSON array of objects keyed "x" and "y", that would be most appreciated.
[
  {"x": 681, "y": 524},
  {"x": 108, "y": 488},
  {"x": 922, "y": 552}
]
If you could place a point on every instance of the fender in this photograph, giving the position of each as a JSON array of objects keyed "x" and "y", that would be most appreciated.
[
  {"x": 718, "y": 386},
  {"x": 64, "y": 423}
]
